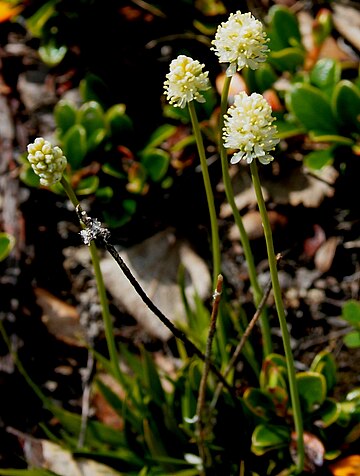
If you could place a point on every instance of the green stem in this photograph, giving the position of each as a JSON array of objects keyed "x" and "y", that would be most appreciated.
[
  {"x": 209, "y": 194},
  {"x": 282, "y": 319},
  {"x": 264, "y": 322},
  {"x": 108, "y": 325}
]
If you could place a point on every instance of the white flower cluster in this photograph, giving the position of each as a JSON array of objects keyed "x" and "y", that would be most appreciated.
[
  {"x": 48, "y": 162},
  {"x": 185, "y": 81},
  {"x": 248, "y": 128},
  {"x": 241, "y": 41}
]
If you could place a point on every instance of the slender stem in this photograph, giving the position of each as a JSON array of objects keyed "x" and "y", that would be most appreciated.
[
  {"x": 108, "y": 325},
  {"x": 215, "y": 241},
  {"x": 264, "y": 322},
  {"x": 202, "y": 389},
  {"x": 282, "y": 319}
]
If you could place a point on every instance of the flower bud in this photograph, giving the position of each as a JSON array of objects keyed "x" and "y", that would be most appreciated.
[{"x": 47, "y": 162}]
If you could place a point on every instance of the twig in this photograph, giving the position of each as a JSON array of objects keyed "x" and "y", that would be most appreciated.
[
  {"x": 95, "y": 231},
  {"x": 242, "y": 342},
  {"x": 200, "y": 425}
]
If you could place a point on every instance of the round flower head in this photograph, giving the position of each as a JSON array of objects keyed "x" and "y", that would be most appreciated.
[
  {"x": 248, "y": 128},
  {"x": 185, "y": 81},
  {"x": 241, "y": 41},
  {"x": 48, "y": 162}
]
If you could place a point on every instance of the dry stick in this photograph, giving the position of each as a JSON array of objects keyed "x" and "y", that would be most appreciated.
[
  {"x": 202, "y": 390},
  {"x": 95, "y": 231},
  {"x": 242, "y": 342}
]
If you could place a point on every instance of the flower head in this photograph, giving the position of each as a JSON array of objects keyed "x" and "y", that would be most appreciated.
[
  {"x": 185, "y": 81},
  {"x": 248, "y": 128},
  {"x": 47, "y": 161},
  {"x": 241, "y": 41}
]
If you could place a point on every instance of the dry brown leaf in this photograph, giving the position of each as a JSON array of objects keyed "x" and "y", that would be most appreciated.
[
  {"x": 347, "y": 22},
  {"x": 48, "y": 455},
  {"x": 253, "y": 224},
  {"x": 61, "y": 319},
  {"x": 314, "y": 451},
  {"x": 313, "y": 243},
  {"x": 104, "y": 412},
  {"x": 155, "y": 264},
  {"x": 324, "y": 256}
]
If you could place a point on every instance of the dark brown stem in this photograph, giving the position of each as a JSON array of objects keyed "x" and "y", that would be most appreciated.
[{"x": 200, "y": 425}]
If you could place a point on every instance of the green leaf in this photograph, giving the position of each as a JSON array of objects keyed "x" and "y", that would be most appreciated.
[
  {"x": 93, "y": 88},
  {"x": 352, "y": 340},
  {"x": 104, "y": 193},
  {"x": 27, "y": 472},
  {"x": 35, "y": 24},
  {"x": 28, "y": 176},
  {"x": 65, "y": 115},
  {"x": 326, "y": 74},
  {"x": 317, "y": 159},
  {"x": 51, "y": 54},
  {"x": 118, "y": 123},
  {"x": 87, "y": 185},
  {"x": 260, "y": 403},
  {"x": 96, "y": 138},
  {"x": 284, "y": 28},
  {"x": 156, "y": 163},
  {"x": 328, "y": 413},
  {"x": 265, "y": 77},
  {"x": 346, "y": 105},
  {"x": 269, "y": 437},
  {"x": 91, "y": 117},
  {"x": 7, "y": 243},
  {"x": 75, "y": 145},
  {"x": 111, "y": 170},
  {"x": 273, "y": 372},
  {"x": 312, "y": 109},
  {"x": 324, "y": 363},
  {"x": 151, "y": 378},
  {"x": 312, "y": 390},
  {"x": 288, "y": 59},
  {"x": 160, "y": 135},
  {"x": 351, "y": 312},
  {"x": 331, "y": 138},
  {"x": 288, "y": 129}
]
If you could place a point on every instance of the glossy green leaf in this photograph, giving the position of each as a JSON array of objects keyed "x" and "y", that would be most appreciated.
[
  {"x": 51, "y": 54},
  {"x": 27, "y": 472},
  {"x": 328, "y": 413},
  {"x": 111, "y": 170},
  {"x": 35, "y": 24},
  {"x": 96, "y": 139},
  {"x": 87, "y": 185},
  {"x": 273, "y": 372},
  {"x": 260, "y": 403},
  {"x": 160, "y": 135},
  {"x": 312, "y": 109},
  {"x": 352, "y": 340},
  {"x": 104, "y": 193},
  {"x": 156, "y": 163},
  {"x": 324, "y": 363},
  {"x": 118, "y": 123},
  {"x": 91, "y": 117},
  {"x": 65, "y": 115},
  {"x": 287, "y": 129},
  {"x": 7, "y": 243},
  {"x": 269, "y": 437},
  {"x": 288, "y": 59},
  {"x": 317, "y": 159},
  {"x": 74, "y": 146},
  {"x": 93, "y": 88},
  {"x": 331, "y": 138},
  {"x": 312, "y": 390},
  {"x": 265, "y": 77},
  {"x": 284, "y": 28},
  {"x": 351, "y": 312},
  {"x": 346, "y": 105},
  {"x": 325, "y": 74},
  {"x": 28, "y": 176}
]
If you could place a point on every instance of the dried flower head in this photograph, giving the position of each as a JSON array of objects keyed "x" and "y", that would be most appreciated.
[
  {"x": 48, "y": 162},
  {"x": 241, "y": 41},
  {"x": 248, "y": 128},
  {"x": 185, "y": 81}
]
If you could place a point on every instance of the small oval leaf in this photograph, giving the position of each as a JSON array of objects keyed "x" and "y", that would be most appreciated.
[
  {"x": 346, "y": 105},
  {"x": 7, "y": 243},
  {"x": 75, "y": 145}
]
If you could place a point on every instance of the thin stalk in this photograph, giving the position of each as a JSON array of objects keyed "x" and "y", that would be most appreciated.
[
  {"x": 295, "y": 401},
  {"x": 108, "y": 325},
  {"x": 215, "y": 241},
  {"x": 264, "y": 321},
  {"x": 200, "y": 424}
]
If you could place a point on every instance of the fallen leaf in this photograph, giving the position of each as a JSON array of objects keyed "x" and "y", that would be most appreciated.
[
  {"x": 314, "y": 451},
  {"x": 324, "y": 256},
  {"x": 349, "y": 466},
  {"x": 347, "y": 21},
  {"x": 103, "y": 410},
  {"x": 313, "y": 243},
  {"x": 253, "y": 224},
  {"x": 155, "y": 264},
  {"x": 60, "y": 318},
  {"x": 236, "y": 86}
]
